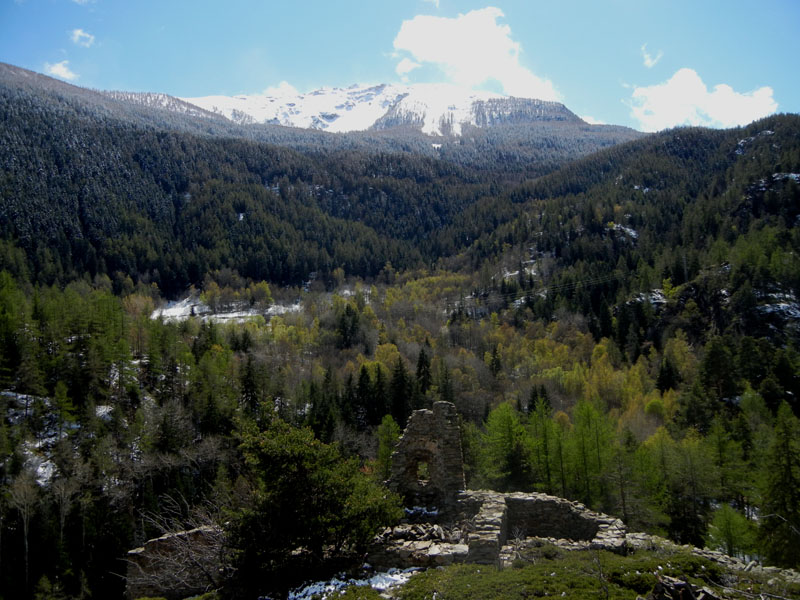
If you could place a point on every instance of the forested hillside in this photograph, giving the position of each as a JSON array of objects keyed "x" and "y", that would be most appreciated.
[{"x": 622, "y": 330}]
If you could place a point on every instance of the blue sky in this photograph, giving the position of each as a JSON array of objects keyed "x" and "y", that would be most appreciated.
[{"x": 646, "y": 64}]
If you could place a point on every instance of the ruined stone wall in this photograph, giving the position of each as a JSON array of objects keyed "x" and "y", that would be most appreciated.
[
  {"x": 431, "y": 438},
  {"x": 539, "y": 515},
  {"x": 487, "y": 524}
]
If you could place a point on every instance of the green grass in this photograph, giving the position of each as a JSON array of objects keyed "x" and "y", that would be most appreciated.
[{"x": 578, "y": 575}]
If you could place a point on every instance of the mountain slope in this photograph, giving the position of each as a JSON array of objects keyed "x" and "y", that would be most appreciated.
[
  {"x": 715, "y": 214},
  {"x": 524, "y": 146}
]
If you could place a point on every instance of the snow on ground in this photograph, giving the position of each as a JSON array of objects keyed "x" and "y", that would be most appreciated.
[
  {"x": 36, "y": 451},
  {"x": 192, "y": 307},
  {"x": 42, "y": 467},
  {"x": 788, "y": 310},
  {"x": 20, "y": 406},
  {"x": 632, "y": 233},
  {"x": 355, "y": 108},
  {"x": 421, "y": 512},
  {"x": 331, "y": 109},
  {"x": 333, "y": 587},
  {"x": 655, "y": 297},
  {"x": 103, "y": 412},
  {"x": 783, "y": 176},
  {"x": 740, "y": 147}
]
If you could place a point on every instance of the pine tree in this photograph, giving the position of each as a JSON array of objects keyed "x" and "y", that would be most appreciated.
[
  {"x": 423, "y": 374},
  {"x": 505, "y": 457},
  {"x": 445, "y": 387},
  {"x": 364, "y": 412},
  {"x": 779, "y": 523},
  {"x": 400, "y": 393},
  {"x": 541, "y": 427},
  {"x": 668, "y": 375},
  {"x": 495, "y": 366},
  {"x": 388, "y": 434}
]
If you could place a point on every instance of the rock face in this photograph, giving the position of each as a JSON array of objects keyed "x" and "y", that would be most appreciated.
[{"x": 427, "y": 464}]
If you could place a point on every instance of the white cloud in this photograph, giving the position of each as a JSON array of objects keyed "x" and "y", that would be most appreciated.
[
  {"x": 282, "y": 90},
  {"x": 592, "y": 120},
  {"x": 80, "y": 37},
  {"x": 60, "y": 69},
  {"x": 470, "y": 50},
  {"x": 405, "y": 66},
  {"x": 649, "y": 61},
  {"x": 685, "y": 100}
]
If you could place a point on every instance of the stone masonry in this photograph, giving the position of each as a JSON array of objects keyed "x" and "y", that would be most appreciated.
[
  {"x": 431, "y": 442},
  {"x": 489, "y": 526}
]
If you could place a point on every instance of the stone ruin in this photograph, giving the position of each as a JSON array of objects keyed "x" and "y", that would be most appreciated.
[
  {"x": 488, "y": 527},
  {"x": 453, "y": 525},
  {"x": 427, "y": 464},
  {"x": 479, "y": 526}
]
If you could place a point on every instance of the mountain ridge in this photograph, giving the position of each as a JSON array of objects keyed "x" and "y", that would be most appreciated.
[{"x": 433, "y": 109}]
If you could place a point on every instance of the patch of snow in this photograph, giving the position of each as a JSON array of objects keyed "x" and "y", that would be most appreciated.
[
  {"x": 181, "y": 310},
  {"x": 236, "y": 316},
  {"x": 20, "y": 406},
  {"x": 280, "y": 309},
  {"x": 740, "y": 146},
  {"x": 42, "y": 467},
  {"x": 783, "y": 297},
  {"x": 192, "y": 307},
  {"x": 381, "y": 582},
  {"x": 438, "y": 107},
  {"x": 421, "y": 512},
  {"x": 632, "y": 233},
  {"x": 786, "y": 310},
  {"x": 784, "y": 176},
  {"x": 103, "y": 412},
  {"x": 45, "y": 472}
]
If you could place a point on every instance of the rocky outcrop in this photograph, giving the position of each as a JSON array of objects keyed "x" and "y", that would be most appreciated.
[
  {"x": 670, "y": 588},
  {"x": 427, "y": 464}
]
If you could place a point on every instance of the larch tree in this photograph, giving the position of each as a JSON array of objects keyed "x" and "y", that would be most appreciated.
[{"x": 779, "y": 525}]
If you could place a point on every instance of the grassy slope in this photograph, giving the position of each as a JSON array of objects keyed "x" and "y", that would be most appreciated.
[{"x": 553, "y": 573}]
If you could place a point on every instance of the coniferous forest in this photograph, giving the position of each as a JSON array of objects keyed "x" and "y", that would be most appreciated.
[{"x": 617, "y": 324}]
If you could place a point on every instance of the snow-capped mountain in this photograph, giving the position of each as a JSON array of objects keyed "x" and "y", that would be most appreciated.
[{"x": 435, "y": 109}]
